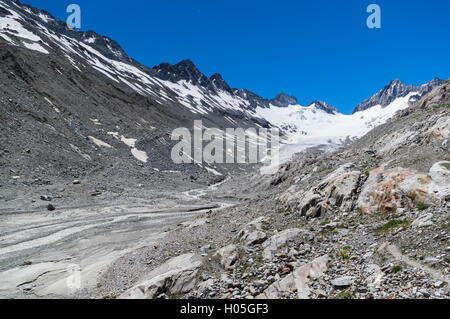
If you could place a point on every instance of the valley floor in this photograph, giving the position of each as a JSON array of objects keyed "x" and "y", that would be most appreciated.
[
  {"x": 108, "y": 244},
  {"x": 51, "y": 254}
]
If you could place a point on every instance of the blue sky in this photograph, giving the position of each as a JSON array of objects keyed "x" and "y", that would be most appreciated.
[{"x": 310, "y": 49}]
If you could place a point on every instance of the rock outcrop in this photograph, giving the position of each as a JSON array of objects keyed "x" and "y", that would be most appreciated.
[
  {"x": 337, "y": 191},
  {"x": 252, "y": 233},
  {"x": 297, "y": 281},
  {"x": 228, "y": 256},
  {"x": 271, "y": 246},
  {"x": 178, "y": 275},
  {"x": 388, "y": 190}
]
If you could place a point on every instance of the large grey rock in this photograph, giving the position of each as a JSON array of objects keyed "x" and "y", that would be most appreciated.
[
  {"x": 255, "y": 238},
  {"x": 387, "y": 190},
  {"x": 228, "y": 256},
  {"x": 440, "y": 179},
  {"x": 343, "y": 282},
  {"x": 309, "y": 202},
  {"x": 252, "y": 233},
  {"x": 272, "y": 245},
  {"x": 297, "y": 281},
  {"x": 339, "y": 189},
  {"x": 178, "y": 275},
  {"x": 423, "y": 220},
  {"x": 374, "y": 276}
]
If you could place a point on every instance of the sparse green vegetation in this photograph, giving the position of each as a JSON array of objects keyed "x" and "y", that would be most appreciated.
[
  {"x": 346, "y": 294},
  {"x": 422, "y": 206},
  {"x": 396, "y": 269},
  {"x": 391, "y": 225},
  {"x": 265, "y": 226},
  {"x": 441, "y": 106},
  {"x": 285, "y": 211},
  {"x": 174, "y": 296},
  {"x": 344, "y": 253}
]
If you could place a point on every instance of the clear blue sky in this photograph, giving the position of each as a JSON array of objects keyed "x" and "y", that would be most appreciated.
[{"x": 310, "y": 49}]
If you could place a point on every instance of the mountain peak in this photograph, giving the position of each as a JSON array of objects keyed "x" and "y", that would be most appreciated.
[
  {"x": 186, "y": 64},
  {"x": 184, "y": 70},
  {"x": 284, "y": 100},
  {"x": 217, "y": 82},
  {"x": 433, "y": 83},
  {"x": 397, "y": 89},
  {"x": 324, "y": 106},
  {"x": 396, "y": 82}
]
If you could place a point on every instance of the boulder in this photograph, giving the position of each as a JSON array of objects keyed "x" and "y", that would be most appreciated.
[
  {"x": 228, "y": 256},
  {"x": 338, "y": 189},
  {"x": 423, "y": 221},
  {"x": 374, "y": 276},
  {"x": 310, "y": 201},
  {"x": 387, "y": 190},
  {"x": 440, "y": 180},
  {"x": 178, "y": 275},
  {"x": 252, "y": 233},
  {"x": 276, "y": 242},
  {"x": 255, "y": 238},
  {"x": 343, "y": 282},
  {"x": 297, "y": 280}
]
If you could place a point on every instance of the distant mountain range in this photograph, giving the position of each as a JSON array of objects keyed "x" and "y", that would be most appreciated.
[{"x": 83, "y": 76}]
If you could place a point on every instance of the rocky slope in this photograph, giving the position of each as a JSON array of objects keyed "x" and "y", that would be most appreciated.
[{"x": 368, "y": 221}]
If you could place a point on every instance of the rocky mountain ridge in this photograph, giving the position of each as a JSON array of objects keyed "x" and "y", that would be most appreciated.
[
  {"x": 206, "y": 94},
  {"x": 397, "y": 89}
]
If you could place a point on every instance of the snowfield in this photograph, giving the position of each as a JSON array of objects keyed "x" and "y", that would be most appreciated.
[{"x": 309, "y": 126}]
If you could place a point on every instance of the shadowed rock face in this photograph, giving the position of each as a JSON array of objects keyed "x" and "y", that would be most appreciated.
[
  {"x": 254, "y": 99},
  {"x": 218, "y": 83},
  {"x": 284, "y": 100},
  {"x": 325, "y": 107},
  {"x": 185, "y": 70}
]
